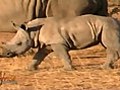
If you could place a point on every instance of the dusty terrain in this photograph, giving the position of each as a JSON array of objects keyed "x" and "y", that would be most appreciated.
[{"x": 50, "y": 76}]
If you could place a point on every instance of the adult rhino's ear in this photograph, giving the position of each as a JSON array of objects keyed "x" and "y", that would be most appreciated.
[{"x": 17, "y": 27}]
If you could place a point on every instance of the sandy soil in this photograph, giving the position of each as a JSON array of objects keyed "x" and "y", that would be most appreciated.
[{"x": 50, "y": 76}]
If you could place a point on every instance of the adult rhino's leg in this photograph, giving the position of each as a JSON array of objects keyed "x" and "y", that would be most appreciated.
[
  {"x": 62, "y": 51},
  {"x": 112, "y": 57},
  {"x": 38, "y": 58}
]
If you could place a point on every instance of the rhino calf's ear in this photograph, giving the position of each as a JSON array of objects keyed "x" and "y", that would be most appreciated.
[
  {"x": 23, "y": 26},
  {"x": 2, "y": 44},
  {"x": 13, "y": 23},
  {"x": 16, "y": 27},
  {"x": 19, "y": 27}
]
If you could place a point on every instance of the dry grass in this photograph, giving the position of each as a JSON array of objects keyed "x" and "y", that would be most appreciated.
[{"x": 50, "y": 76}]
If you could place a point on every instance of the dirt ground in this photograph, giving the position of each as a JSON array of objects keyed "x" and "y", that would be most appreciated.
[{"x": 50, "y": 76}]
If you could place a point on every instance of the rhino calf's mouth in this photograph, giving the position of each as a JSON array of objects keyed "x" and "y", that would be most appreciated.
[{"x": 8, "y": 54}]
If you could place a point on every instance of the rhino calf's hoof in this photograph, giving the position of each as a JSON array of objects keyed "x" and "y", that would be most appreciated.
[
  {"x": 105, "y": 66},
  {"x": 32, "y": 68},
  {"x": 69, "y": 68}
]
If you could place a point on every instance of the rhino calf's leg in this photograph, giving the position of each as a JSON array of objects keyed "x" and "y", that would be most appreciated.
[
  {"x": 112, "y": 57},
  {"x": 62, "y": 51},
  {"x": 38, "y": 58}
]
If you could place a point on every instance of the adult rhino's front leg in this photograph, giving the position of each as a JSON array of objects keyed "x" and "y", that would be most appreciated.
[
  {"x": 62, "y": 51},
  {"x": 38, "y": 58}
]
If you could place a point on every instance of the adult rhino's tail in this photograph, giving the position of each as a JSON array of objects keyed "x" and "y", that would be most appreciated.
[{"x": 37, "y": 22}]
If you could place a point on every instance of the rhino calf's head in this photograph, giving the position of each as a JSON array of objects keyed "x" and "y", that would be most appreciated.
[{"x": 19, "y": 44}]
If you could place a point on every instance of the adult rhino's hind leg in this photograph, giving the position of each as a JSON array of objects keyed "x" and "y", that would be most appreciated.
[
  {"x": 38, "y": 58},
  {"x": 62, "y": 51},
  {"x": 112, "y": 57}
]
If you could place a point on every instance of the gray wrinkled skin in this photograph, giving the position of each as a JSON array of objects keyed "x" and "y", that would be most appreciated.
[
  {"x": 25, "y": 10},
  {"x": 60, "y": 36},
  {"x": 20, "y": 11},
  {"x": 66, "y": 8}
]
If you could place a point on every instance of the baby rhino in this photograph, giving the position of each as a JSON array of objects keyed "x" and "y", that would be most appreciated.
[{"x": 61, "y": 36}]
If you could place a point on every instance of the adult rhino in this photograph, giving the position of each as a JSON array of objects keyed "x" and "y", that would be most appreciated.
[
  {"x": 65, "y": 8},
  {"x": 25, "y": 10},
  {"x": 64, "y": 35},
  {"x": 20, "y": 11}
]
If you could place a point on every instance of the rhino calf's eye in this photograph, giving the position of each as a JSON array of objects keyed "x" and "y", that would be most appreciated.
[
  {"x": 8, "y": 54},
  {"x": 20, "y": 43}
]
